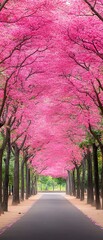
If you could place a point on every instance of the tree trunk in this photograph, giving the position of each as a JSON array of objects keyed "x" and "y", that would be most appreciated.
[
  {"x": 82, "y": 181},
  {"x": 27, "y": 182},
  {"x": 78, "y": 182},
  {"x": 74, "y": 189},
  {"x": 1, "y": 156},
  {"x": 70, "y": 183},
  {"x": 6, "y": 178},
  {"x": 96, "y": 177},
  {"x": 16, "y": 199},
  {"x": 90, "y": 195},
  {"x": 9, "y": 190},
  {"x": 35, "y": 184},
  {"x": 67, "y": 185},
  {"x": 102, "y": 184},
  {"x": 22, "y": 180},
  {"x": 32, "y": 190},
  {"x": 102, "y": 179}
]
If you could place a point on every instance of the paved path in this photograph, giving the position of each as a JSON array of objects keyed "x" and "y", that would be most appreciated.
[{"x": 52, "y": 217}]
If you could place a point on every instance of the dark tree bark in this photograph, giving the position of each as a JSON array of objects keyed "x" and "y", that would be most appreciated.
[
  {"x": 102, "y": 178},
  {"x": 68, "y": 184},
  {"x": 82, "y": 181},
  {"x": 102, "y": 184},
  {"x": 35, "y": 184},
  {"x": 74, "y": 189},
  {"x": 9, "y": 190},
  {"x": 2, "y": 5},
  {"x": 24, "y": 163},
  {"x": 16, "y": 199},
  {"x": 27, "y": 182},
  {"x": 90, "y": 195},
  {"x": 94, "y": 10},
  {"x": 78, "y": 181},
  {"x": 6, "y": 178},
  {"x": 22, "y": 180},
  {"x": 96, "y": 176},
  {"x": 32, "y": 185},
  {"x": 17, "y": 149},
  {"x": 1, "y": 156},
  {"x": 99, "y": 140}
]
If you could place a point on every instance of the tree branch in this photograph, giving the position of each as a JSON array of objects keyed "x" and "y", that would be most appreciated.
[
  {"x": 3, "y": 4},
  {"x": 94, "y": 10}
]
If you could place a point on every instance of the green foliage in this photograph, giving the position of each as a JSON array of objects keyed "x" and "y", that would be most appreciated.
[
  {"x": 87, "y": 142},
  {"x": 47, "y": 183}
]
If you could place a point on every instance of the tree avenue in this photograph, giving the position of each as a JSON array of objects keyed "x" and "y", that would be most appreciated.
[{"x": 51, "y": 97}]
